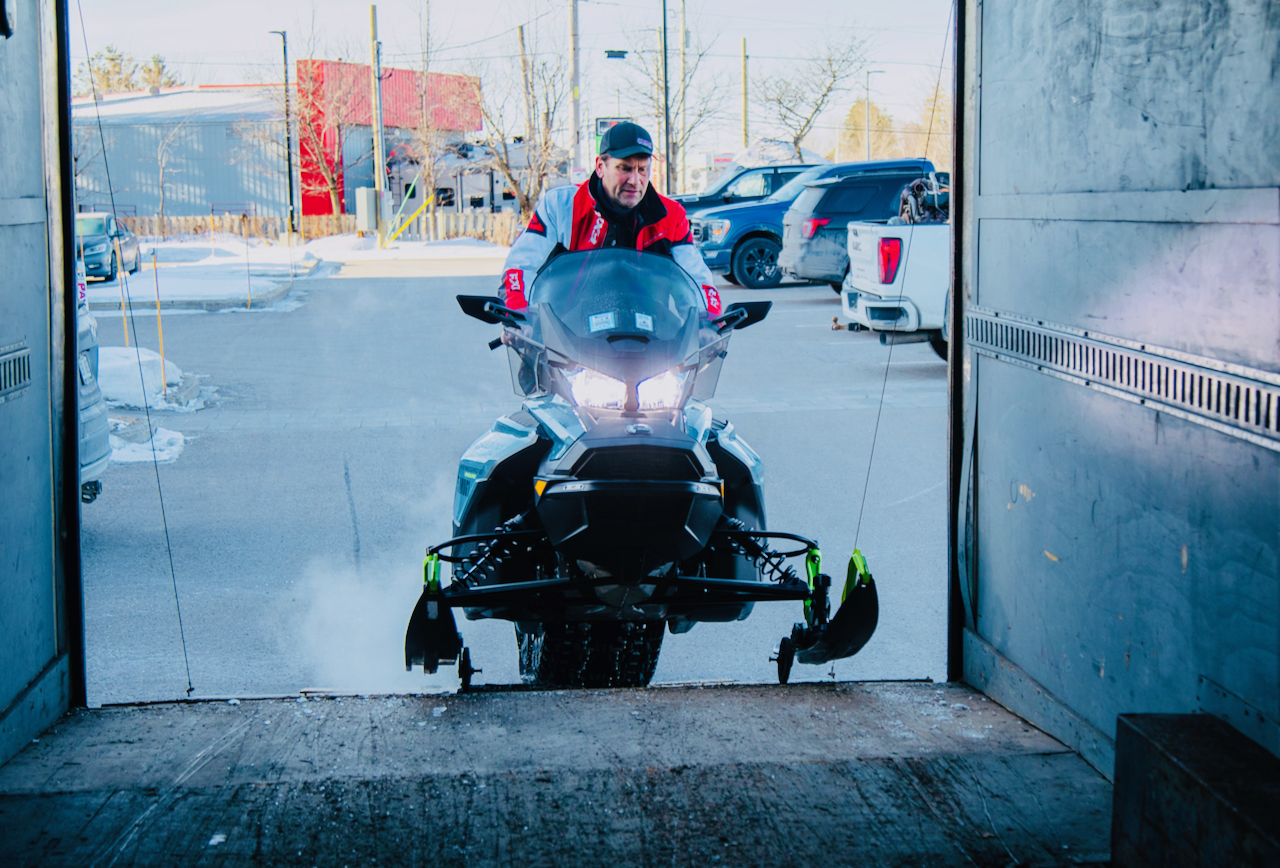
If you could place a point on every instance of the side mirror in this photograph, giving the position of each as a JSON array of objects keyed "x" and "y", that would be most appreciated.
[
  {"x": 743, "y": 314},
  {"x": 487, "y": 309}
]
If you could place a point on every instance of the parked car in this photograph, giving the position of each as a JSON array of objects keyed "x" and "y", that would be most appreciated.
[
  {"x": 745, "y": 185},
  {"x": 899, "y": 275},
  {"x": 742, "y": 242},
  {"x": 98, "y": 234},
  {"x": 94, "y": 428},
  {"x": 815, "y": 227}
]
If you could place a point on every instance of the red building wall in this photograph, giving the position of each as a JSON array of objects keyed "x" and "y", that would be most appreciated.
[{"x": 333, "y": 96}]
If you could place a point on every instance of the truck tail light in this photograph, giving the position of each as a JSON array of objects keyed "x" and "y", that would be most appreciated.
[
  {"x": 810, "y": 227},
  {"x": 890, "y": 253}
]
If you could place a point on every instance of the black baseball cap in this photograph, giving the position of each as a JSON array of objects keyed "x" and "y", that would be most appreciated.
[{"x": 626, "y": 140}]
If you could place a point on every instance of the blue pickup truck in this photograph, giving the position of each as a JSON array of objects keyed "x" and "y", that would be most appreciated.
[{"x": 742, "y": 242}]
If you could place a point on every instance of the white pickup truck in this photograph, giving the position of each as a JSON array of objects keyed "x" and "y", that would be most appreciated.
[{"x": 898, "y": 280}]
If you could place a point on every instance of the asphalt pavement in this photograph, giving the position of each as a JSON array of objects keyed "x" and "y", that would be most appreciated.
[{"x": 325, "y": 460}]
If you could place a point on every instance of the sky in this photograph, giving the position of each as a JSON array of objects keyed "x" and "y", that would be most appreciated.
[{"x": 230, "y": 42}]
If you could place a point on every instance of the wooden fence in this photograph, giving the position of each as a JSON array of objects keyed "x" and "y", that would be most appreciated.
[{"x": 501, "y": 228}]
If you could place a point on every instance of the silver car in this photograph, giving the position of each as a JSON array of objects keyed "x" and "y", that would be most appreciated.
[{"x": 95, "y": 430}]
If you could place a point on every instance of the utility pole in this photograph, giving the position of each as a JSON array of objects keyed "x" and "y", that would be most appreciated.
[
  {"x": 867, "y": 114},
  {"x": 379, "y": 152},
  {"x": 428, "y": 120},
  {"x": 288, "y": 138},
  {"x": 666, "y": 101},
  {"x": 682, "y": 135},
  {"x": 745, "y": 141},
  {"x": 573, "y": 83}
]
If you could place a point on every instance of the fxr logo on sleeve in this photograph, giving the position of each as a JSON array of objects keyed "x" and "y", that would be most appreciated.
[
  {"x": 594, "y": 238},
  {"x": 713, "y": 299},
  {"x": 513, "y": 282}
]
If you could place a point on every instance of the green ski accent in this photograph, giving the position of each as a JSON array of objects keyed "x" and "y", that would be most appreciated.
[
  {"x": 812, "y": 566},
  {"x": 431, "y": 573},
  {"x": 857, "y": 575}
]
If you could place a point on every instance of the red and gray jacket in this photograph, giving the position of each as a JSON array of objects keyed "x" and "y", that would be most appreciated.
[{"x": 568, "y": 218}]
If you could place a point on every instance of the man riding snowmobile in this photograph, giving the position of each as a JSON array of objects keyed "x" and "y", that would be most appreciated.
[
  {"x": 612, "y": 507},
  {"x": 616, "y": 207}
]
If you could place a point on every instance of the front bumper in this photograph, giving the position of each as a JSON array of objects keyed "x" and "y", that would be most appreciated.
[
  {"x": 98, "y": 263},
  {"x": 892, "y": 314},
  {"x": 718, "y": 259}
]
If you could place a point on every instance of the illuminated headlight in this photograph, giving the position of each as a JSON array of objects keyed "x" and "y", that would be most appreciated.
[
  {"x": 594, "y": 389},
  {"x": 663, "y": 391},
  {"x": 717, "y": 230},
  {"x": 96, "y": 248}
]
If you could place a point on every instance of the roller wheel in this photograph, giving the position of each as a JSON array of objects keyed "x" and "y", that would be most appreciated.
[{"x": 786, "y": 656}]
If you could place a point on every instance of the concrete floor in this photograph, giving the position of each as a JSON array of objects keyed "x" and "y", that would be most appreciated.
[{"x": 806, "y": 774}]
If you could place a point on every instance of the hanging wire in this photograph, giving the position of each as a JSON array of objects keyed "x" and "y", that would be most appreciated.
[
  {"x": 146, "y": 405},
  {"x": 875, "y": 432}
]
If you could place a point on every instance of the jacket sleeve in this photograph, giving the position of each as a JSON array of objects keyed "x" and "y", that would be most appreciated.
[
  {"x": 532, "y": 248},
  {"x": 686, "y": 255}
]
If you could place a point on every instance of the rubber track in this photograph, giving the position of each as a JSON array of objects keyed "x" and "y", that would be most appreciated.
[{"x": 596, "y": 654}]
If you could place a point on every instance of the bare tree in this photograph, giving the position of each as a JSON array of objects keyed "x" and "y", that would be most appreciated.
[
  {"x": 794, "y": 99},
  {"x": 165, "y": 146},
  {"x": 698, "y": 99},
  {"x": 527, "y": 96},
  {"x": 329, "y": 95}
]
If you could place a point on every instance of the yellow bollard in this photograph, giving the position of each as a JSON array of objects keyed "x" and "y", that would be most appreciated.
[
  {"x": 124, "y": 315},
  {"x": 248, "y": 285},
  {"x": 164, "y": 385}
]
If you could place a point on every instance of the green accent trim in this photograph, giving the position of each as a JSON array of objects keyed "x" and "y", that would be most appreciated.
[
  {"x": 857, "y": 574},
  {"x": 431, "y": 573}
]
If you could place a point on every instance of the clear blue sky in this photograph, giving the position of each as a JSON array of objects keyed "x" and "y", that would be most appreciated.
[{"x": 230, "y": 42}]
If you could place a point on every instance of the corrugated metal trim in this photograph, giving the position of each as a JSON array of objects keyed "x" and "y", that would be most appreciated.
[
  {"x": 1236, "y": 400},
  {"x": 15, "y": 371}
]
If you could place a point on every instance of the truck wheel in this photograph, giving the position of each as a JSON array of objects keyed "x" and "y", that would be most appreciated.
[
  {"x": 939, "y": 346},
  {"x": 755, "y": 263}
]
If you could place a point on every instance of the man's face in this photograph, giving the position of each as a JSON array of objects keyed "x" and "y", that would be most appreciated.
[{"x": 624, "y": 180}]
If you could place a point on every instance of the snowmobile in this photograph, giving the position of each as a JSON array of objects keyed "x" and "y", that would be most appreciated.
[{"x": 613, "y": 506}]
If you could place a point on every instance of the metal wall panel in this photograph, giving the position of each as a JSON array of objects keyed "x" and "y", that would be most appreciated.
[
  {"x": 1118, "y": 494},
  {"x": 39, "y": 525},
  {"x": 209, "y": 163}
]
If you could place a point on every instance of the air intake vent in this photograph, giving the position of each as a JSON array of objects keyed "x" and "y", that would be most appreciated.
[
  {"x": 15, "y": 371},
  {"x": 638, "y": 462},
  {"x": 1239, "y": 401}
]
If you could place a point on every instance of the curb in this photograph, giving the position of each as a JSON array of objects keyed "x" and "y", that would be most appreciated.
[{"x": 270, "y": 297}]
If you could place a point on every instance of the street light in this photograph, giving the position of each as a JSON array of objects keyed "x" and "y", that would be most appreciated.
[
  {"x": 870, "y": 73},
  {"x": 288, "y": 139}
]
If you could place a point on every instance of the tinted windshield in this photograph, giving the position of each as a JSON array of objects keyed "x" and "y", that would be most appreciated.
[
  {"x": 91, "y": 226},
  {"x": 617, "y": 291},
  {"x": 792, "y": 188}
]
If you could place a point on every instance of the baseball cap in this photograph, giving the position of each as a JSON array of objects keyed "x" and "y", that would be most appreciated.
[{"x": 626, "y": 140}]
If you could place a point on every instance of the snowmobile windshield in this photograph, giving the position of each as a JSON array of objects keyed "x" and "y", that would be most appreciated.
[
  {"x": 617, "y": 291},
  {"x": 620, "y": 329}
]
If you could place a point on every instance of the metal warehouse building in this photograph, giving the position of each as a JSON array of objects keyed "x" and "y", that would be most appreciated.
[{"x": 207, "y": 145}]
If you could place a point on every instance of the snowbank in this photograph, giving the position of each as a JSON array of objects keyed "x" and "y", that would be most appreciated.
[
  {"x": 350, "y": 248},
  {"x": 122, "y": 386},
  {"x": 164, "y": 445}
]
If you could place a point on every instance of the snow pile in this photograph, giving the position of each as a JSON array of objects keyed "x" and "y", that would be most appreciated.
[
  {"x": 118, "y": 377},
  {"x": 351, "y": 248},
  {"x": 164, "y": 445}
]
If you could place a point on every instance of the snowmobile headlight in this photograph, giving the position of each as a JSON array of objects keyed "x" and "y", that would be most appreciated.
[
  {"x": 594, "y": 389},
  {"x": 662, "y": 392}
]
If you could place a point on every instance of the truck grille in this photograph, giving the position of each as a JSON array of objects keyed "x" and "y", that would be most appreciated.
[{"x": 698, "y": 230}]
